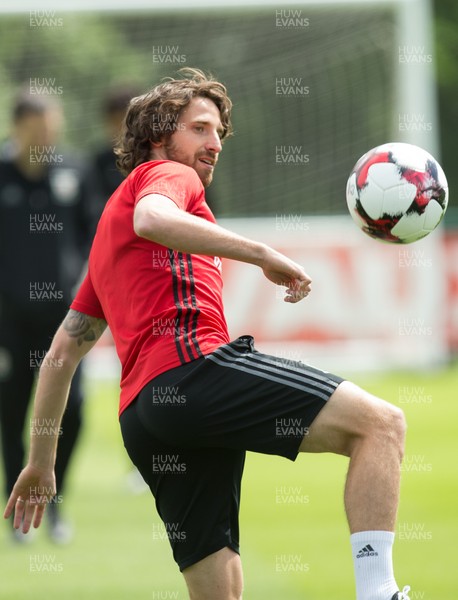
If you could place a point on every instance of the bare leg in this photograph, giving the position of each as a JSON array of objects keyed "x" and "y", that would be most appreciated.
[
  {"x": 371, "y": 432},
  {"x": 216, "y": 577}
]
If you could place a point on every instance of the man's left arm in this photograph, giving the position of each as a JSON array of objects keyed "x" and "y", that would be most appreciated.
[{"x": 36, "y": 484}]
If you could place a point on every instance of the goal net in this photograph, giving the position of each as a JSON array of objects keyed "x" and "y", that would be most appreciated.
[{"x": 314, "y": 85}]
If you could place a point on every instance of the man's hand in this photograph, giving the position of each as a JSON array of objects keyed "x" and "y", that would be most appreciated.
[
  {"x": 282, "y": 271},
  {"x": 29, "y": 497}
]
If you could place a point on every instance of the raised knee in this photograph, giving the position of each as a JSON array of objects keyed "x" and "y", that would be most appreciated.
[
  {"x": 378, "y": 423},
  {"x": 389, "y": 427}
]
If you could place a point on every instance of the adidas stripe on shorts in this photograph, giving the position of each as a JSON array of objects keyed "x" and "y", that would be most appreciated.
[{"x": 189, "y": 428}]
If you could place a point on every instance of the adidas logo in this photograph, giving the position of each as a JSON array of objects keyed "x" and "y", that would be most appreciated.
[{"x": 366, "y": 551}]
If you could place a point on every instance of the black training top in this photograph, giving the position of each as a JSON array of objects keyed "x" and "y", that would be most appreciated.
[{"x": 44, "y": 232}]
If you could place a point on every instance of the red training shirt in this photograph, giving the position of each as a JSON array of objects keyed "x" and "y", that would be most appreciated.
[{"x": 164, "y": 308}]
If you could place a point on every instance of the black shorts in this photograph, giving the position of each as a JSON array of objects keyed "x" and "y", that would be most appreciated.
[{"x": 188, "y": 430}]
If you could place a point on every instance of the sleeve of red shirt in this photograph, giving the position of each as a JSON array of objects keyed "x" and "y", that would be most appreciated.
[
  {"x": 86, "y": 300},
  {"x": 178, "y": 182}
]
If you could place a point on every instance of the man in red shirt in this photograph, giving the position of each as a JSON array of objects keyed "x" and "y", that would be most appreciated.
[{"x": 192, "y": 402}]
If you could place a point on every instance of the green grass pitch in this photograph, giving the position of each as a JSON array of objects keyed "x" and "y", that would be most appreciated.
[{"x": 294, "y": 536}]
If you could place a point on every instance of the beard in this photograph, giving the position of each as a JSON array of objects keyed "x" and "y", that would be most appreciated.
[{"x": 191, "y": 160}]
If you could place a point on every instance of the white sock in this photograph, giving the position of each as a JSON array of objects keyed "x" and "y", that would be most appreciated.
[{"x": 372, "y": 558}]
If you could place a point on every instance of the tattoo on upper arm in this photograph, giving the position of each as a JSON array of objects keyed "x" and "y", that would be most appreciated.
[{"x": 83, "y": 327}]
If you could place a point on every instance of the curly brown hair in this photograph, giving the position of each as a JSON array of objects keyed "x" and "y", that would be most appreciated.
[{"x": 153, "y": 117}]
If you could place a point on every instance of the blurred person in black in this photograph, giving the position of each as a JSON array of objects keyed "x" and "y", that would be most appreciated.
[
  {"x": 105, "y": 177},
  {"x": 44, "y": 238}
]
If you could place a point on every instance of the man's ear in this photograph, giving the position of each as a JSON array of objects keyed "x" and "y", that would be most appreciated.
[{"x": 157, "y": 150}]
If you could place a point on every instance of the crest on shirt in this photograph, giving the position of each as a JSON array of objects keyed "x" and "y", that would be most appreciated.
[{"x": 64, "y": 184}]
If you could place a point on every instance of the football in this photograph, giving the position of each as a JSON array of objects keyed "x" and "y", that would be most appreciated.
[{"x": 397, "y": 193}]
